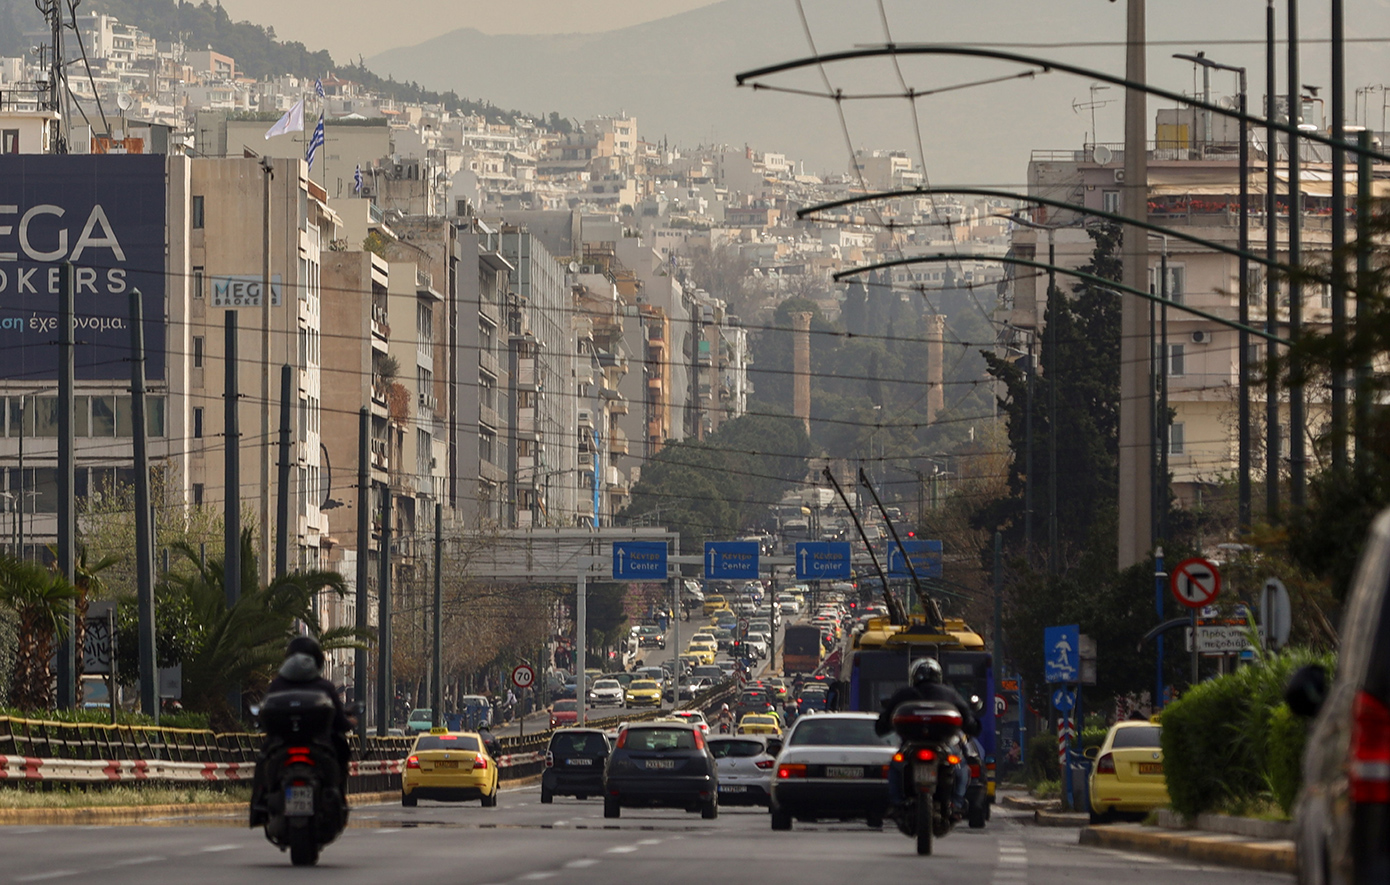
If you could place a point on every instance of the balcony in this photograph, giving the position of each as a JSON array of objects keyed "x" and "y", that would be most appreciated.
[
  {"x": 526, "y": 423},
  {"x": 654, "y": 382},
  {"x": 617, "y": 443},
  {"x": 428, "y": 402},
  {"x": 491, "y": 472},
  {"x": 488, "y": 363},
  {"x": 381, "y": 329},
  {"x": 526, "y": 374},
  {"x": 488, "y": 415},
  {"x": 585, "y": 419},
  {"x": 614, "y": 478}
]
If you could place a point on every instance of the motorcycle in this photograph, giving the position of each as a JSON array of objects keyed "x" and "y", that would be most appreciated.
[
  {"x": 305, "y": 799},
  {"x": 977, "y": 793},
  {"x": 929, "y": 731}
]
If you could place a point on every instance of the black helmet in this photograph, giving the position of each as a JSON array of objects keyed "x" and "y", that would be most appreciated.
[
  {"x": 306, "y": 645},
  {"x": 924, "y": 671}
]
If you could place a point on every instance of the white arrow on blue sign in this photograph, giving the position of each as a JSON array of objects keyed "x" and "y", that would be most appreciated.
[
  {"x": 1062, "y": 654},
  {"x": 1063, "y": 700},
  {"x": 639, "y": 560},
  {"x": 731, "y": 560},
  {"x": 822, "y": 560},
  {"x": 924, "y": 554}
]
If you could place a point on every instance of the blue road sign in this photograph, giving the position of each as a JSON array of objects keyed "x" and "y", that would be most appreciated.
[
  {"x": 822, "y": 560},
  {"x": 925, "y": 556},
  {"x": 639, "y": 560},
  {"x": 1063, "y": 700},
  {"x": 1062, "y": 654},
  {"x": 730, "y": 560}
]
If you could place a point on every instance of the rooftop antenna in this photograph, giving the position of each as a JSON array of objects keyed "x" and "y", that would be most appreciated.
[{"x": 1077, "y": 106}]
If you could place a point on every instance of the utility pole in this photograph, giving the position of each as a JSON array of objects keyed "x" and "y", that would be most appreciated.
[
  {"x": 144, "y": 525},
  {"x": 581, "y": 627},
  {"x": 1362, "y": 400},
  {"x": 1339, "y": 239},
  {"x": 999, "y": 604},
  {"x": 1271, "y": 281},
  {"x": 231, "y": 568},
  {"x": 263, "y": 565},
  {"x": 364, "y": 536},
  {"x": 67, "y": 517},
  {"x": 437, "y": 664},
  {"x": 1297, "y": 467},
  {"x": 282, "y": 479},
  {"x": 385, "y": 691}
]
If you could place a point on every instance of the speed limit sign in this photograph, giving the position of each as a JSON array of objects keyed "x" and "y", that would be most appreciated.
[{"x": 523, "y": 676}]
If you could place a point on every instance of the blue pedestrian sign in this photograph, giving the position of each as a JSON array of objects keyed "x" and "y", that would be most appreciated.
[
  {"x": 925, "y": 557},
  {"x": 822, "y": 560},
  {"x": 1062, "y": 654},
  {"x": 639, "y": 560},
  {"x": 731, "y": 560},
  {"x": 1063, "y": 700}
]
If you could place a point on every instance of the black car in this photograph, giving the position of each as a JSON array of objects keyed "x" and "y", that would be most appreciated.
[
  {"x": 661, "y": 764},
  {"x": 1342, "y": 816},
  {"x": 754, "y": 700},
  {"x": 574, "y": 764}
]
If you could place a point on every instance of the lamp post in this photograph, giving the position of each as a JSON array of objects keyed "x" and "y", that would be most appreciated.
[{"x": 1243, "y": 365}]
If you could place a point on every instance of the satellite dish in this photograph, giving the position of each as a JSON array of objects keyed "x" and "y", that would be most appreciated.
[
  {"x": 574, "y": 267},
  {"x": 123, "y": 102},
  {"x": 1102, "y": 155}
]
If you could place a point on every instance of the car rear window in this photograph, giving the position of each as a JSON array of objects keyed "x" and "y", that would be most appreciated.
[
  {"x": 656, "y": 739},
  {"x": 1137, "y": 736},
  {"x": 566, "y": 707},
  {"x": 735, "y": 749},
  {"x": 643, "y": 685},
  {"x": 839, "y": 733},
  {"x": 581, "y": 744},
  {"x": 445, "y": 742}
]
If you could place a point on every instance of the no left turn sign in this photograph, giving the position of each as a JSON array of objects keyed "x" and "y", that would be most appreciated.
[
  {"x": 1196, "y": 582},
  {"x": 523, "y": 676}
]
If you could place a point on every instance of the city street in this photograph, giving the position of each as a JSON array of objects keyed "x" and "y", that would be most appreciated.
[{"x": 524, "y": 841}]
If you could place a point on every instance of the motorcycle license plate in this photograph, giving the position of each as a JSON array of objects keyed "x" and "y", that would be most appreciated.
[
  {"x": 924, "y": 775},
  {"x": 299, "y": 801},
  {"x": 843, "y": 771}
]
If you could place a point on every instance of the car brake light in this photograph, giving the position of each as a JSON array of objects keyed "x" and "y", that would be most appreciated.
[
  {"x": 926, "y": 755},
  {"x": 549, "y": 759},
  {"x": 1370, "y": 750},
  {"x": 699, "y": 739},
  {"x": 1105, "y": 764},
  {"x": 765, "y": 764},
  {"x": 480, "y": 762},
  {"x": 622, "y": 739},
  {"x": 412, "y": 762},
  {"x": 974, "y": 772},
  {"x": 786, "y": 771}
]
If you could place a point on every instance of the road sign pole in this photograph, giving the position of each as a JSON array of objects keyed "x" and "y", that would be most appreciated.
[
  {"x": 581, "y": 626},
  {"x": 1160, "y": 579},
  {"x": 1194, "y": 646}
]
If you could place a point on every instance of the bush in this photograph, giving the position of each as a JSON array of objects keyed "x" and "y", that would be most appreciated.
[
  {"x": 1042, "y": 753},
  {"x": 1288, "y": 733},
  {"x": 1216, "y": 737}
]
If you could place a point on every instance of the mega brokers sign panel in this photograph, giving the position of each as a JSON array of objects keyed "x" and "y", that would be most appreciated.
[{"x": 104, "y": 214}]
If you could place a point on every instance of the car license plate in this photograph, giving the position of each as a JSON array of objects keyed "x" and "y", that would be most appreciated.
[
  {"x": 299, "y": 801},
  {"x": 843, "y": 771},
  {"x": 446, "y": 765},
  {"x": 732, "y": 788},
  {"x": 579, "y": 762},
  {"x": 661, "y": 763},
  {"x": 1150, "y": 767}
]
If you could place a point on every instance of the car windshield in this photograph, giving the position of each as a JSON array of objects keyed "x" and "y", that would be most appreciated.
[
  {"x": 445, "y": 742},
  {"x": 607, "y": 683},
  {"x": 584, "y": 743},
  {"x": 566, "y": 707},
  {"x": 1137, "y": 736},
  {"x": 758, "y": 720},
  {"x": 656, "y": 739},
  {"x": 824, "y": 732},
  {"x": 735, "y": 749}
]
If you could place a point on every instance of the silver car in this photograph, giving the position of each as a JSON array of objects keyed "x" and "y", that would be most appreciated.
[
  {"x": 833, "y": 765},
  {"x": 746, "y": 767}
]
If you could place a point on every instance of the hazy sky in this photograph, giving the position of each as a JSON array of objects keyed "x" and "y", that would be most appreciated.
[{"x": 347, "y": 28}]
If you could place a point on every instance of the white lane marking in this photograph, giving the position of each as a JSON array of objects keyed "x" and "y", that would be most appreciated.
[
  {"x": 1009, "y": 858},
  {"x": 561, "y": 823},
  {"x": 135, "y": 861},
  {"x": 650, "y": 841},
  {"x": 536, "y": 877},
  {"x": 389, "y": 830},
  {"x": 40, "y": 877},
  {"x": 581, "y": 864},
  {"x": 622, "y": 849},
  {"x": 212, "y": 848}
]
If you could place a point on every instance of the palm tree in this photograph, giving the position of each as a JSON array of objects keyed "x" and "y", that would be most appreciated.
[
  {"x": 239, "y": 647},
  {"x": 41, "y": 601}
]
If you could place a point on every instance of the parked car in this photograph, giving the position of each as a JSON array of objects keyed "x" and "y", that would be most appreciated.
[
  {"x": 833, "y": 765},
  {"x": 574, "y": 763},
  {"x": 1127, "y": 777},
  {"x": 1342, "y": 814},
  {"x": 661, "y": 764},
  {"x": 747, "y": 766}
]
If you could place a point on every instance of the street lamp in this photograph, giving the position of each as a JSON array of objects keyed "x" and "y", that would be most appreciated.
[{"x": 1243, "y": 367}]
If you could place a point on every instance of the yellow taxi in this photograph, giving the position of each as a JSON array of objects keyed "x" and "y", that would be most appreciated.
[
  {"x": 704, "y": 649},
  {"x": 759, "y": 723},
  {"x": 1127, "y": 771},
  {"x": 451, "y": 766},
  {"x": 714, "y": 604},
  {"x": 644, "y": 693},
  {"x": 778, "y": 684}
]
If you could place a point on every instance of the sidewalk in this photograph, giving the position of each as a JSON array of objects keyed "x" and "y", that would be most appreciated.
[{"x": 1273, "y": 855}]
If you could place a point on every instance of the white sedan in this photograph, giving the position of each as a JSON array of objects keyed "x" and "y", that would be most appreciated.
[
  {"x": 607, "y": 692},
  {"x": 833, "y": 765}
]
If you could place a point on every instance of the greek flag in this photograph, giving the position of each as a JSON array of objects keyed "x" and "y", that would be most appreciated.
[
  {"x": 318, "y": 87},
  {"x": 315, "y": 143},
  {"x": 357, "y": 180}
]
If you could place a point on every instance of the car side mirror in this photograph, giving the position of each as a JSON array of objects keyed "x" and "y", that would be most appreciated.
[
  {"x": 1091, "y": 753},
  {"x": 1306, "y": 691}
]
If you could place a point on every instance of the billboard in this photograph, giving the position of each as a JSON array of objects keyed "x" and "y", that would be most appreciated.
[{"x": 103, "y": 213}]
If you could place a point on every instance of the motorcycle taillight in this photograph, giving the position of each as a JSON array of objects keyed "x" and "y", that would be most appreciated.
[{"x": 926, "y": 755}]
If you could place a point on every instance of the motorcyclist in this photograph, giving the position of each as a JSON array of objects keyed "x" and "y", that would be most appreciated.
[
  {"x": 302, "y": 670},
  {"x": 927, "y": 684},
  {"x": 725, "y": 719}
]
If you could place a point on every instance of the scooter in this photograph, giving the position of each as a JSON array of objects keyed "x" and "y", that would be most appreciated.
[
  {"x": 929, "y": 731},
  {"x": 305, "y": 799}
]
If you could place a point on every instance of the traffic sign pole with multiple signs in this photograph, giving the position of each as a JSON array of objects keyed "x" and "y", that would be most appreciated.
[
  {"x": 1062, "y": 666},
  {"x": 1196, "y": 583}
]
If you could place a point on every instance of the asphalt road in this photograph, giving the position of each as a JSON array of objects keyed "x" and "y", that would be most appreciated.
[{"x": 523, "y": 841}]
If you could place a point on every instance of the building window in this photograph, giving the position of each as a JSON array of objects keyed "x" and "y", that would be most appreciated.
[
  {"x": 9, "y": 141},
  {"x": 197, "y": 422},
  {"x": 197, "y": 494},
  {"x": 197, "y": 351},
  {"x": 1110, "y": 202},
  {"x": 1176, "y": 359},
  {"x": 1325, "y": 296},
  {"x": 1175, "y": 439},
  {"x": 486, "y": 445},
  {"x": 197, "y": 282},
  {"x": 1177, "y": 283},
  {"x": 1255, "y": 285},
  {"x": 197, "y": 212}
]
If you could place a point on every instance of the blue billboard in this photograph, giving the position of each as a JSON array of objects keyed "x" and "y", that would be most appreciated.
[{"x": 104, "y": 213}]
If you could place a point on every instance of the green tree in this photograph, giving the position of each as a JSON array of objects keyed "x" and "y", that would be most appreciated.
[{"x": 41, "y": 601}]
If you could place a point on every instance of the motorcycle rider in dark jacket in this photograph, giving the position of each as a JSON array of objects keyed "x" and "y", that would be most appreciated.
[
  {"x": 927, "y": 684},
  {"x": 302, "y": 671}
]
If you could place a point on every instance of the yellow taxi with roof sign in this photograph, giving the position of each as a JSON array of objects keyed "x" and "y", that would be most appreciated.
[
  {"x": 449, "y": 766},
  {"x": 760, "y": 723}
]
